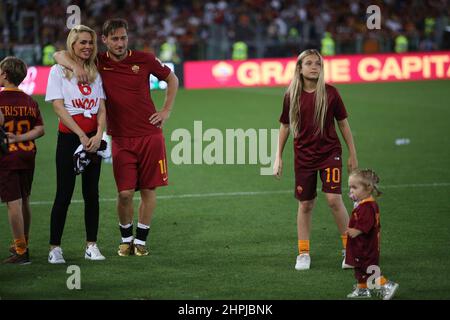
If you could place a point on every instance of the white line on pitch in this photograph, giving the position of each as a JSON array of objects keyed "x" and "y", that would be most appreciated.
[{"x": 250, "y": 193}]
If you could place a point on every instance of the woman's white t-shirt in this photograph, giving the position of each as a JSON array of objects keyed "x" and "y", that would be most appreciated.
[{"x": 79, "y": 99}]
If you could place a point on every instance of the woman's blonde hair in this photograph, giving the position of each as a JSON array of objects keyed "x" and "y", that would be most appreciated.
[
  {"x": 89, "y": 65},
  {"x": 369, "y": 179},
  {"x": 295, "y": 89}
]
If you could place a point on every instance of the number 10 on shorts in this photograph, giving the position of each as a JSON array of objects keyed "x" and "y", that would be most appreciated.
[
  {"x": 163, "y": 166},
  {"x": 334, "y": 174}
]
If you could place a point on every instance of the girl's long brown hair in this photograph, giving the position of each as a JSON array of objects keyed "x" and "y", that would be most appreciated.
[{"x": 295, "y": 89}]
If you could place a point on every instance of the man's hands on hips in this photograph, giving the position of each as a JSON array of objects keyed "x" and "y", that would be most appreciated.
[{"x": 158, "y": 118}]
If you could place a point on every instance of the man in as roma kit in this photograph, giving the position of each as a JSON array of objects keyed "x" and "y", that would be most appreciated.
[{"x": 138, "y": 148}]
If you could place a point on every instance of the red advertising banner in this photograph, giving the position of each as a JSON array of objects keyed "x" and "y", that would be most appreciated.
[
  {"x": 35, "y": 83},
  {"x": 338, "y": 69},
  {"x": 278, "y": 72},
  {"x": 36, "y": 80}
]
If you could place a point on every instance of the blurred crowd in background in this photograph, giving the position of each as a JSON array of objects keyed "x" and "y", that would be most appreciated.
[{"x": 217, "y": 29}]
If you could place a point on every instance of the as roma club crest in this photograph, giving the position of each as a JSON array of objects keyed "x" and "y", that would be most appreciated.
[
  {"x": 135, "y": 68},
  {"x": 85, "y": 89}
]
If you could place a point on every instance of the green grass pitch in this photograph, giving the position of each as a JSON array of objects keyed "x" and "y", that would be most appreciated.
[{"x": 226, "y": 232}]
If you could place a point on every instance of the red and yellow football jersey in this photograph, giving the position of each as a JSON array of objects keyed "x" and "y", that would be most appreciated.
[
  {"x": 364, "y": 250},
  {"x": 312, "y": 151},
  {"x": 21, "y": 114},
  {"x": 127, "y": 86}
]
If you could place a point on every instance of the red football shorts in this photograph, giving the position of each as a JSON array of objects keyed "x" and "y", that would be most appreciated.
[
  {"x": 15, "y": 184},
  {"x": 139, "y": 162},
  {"x": 306, "y": 180}
]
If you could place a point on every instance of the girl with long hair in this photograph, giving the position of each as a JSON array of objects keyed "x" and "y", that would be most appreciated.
[{"x": 310, "y": 108}]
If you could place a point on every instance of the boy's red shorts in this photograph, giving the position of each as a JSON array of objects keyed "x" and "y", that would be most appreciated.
[
  {"x": 139, "y": 162},
  {"x": 15, "y": 184}
]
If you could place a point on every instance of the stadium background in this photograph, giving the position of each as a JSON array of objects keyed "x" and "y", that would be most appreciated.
[{"x": 224, "y": 231}]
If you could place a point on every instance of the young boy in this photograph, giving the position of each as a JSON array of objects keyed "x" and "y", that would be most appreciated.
[{"x": 22, "y": 123}]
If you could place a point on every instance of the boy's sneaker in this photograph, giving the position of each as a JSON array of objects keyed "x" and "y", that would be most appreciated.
[
  {"x": 387, "y": 291},
  {"x": 21, "y": 259},
  {"x": 140, "y": 250},
  {"x": 126, "y": 249},
  {"x": 344, "y": 265},
  {"x": 93, "y": 253},
  {"x": 360, "y": 293},
  {"x": 303, "y": 262},
  {"x": 55, "y": 256}
]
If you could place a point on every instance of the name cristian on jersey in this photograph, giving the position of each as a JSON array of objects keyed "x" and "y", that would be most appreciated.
[
  {"x": 18, "y": 111},
  {"x": 86, "y": 103}
]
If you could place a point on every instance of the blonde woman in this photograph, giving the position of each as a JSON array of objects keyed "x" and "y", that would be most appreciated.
[
  {"x": 310, "y": 108},
  {"x": 81, "y": 111}
]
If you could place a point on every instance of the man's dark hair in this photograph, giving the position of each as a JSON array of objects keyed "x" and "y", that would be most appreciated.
[
  {"x": 15, "y": 69},
  {"x": 112, "y": 25}
]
